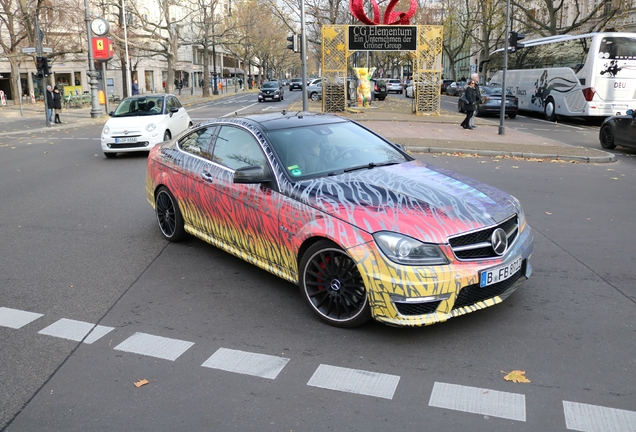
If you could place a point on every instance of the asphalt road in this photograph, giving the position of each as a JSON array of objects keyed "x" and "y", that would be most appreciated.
[{"x": 79, "y": 242}]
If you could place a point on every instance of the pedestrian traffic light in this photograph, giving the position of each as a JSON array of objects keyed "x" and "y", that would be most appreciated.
[
  {"x": 294, "y": 42},
  {"x": 514, "y": 40}
]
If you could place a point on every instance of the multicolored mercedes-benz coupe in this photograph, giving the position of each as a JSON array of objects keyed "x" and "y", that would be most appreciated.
[{"x": 365, "y": 230}]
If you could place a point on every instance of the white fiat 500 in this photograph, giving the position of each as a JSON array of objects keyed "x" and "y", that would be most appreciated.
[{"x": 140, "y": 122}]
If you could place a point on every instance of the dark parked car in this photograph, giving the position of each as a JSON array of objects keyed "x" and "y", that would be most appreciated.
[
  {"x": 272, "y": 90},
  {"x": 296, "y": 83},
  {"x": 378, "y": 87},
  {"x": 445, "y": 83},
  {"x": 490, "y": 102},
  {"x": 364, "y": 230},
  {"x": 619, "y": 130}
]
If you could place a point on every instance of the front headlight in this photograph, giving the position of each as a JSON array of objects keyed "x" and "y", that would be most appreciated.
[
  {"x": 520, "y": 214},
  {"x": 408, "y": 251},
  {"x": 106, "y": 130},
  {"x": 151, "y": 127}
]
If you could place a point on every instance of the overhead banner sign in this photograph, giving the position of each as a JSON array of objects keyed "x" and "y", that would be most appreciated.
[{"x": 383, "y": 38}]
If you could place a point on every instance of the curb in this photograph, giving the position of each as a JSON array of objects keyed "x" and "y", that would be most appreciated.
[{"x": 521, "y": 155}]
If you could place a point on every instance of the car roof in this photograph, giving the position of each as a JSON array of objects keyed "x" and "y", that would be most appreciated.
[
  {"x": 283, "y": 120},
  {"x": 143, "y": 96}
]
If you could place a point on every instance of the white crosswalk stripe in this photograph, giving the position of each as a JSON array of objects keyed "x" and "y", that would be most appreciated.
[
  {"x": 76, "y": 330},
  {"x": 578, "y": 416},
  {"x": 354, "y": 381},
  {"x": 154, "y": 346},
  {"x": 593, "y": 418},
  {"x": 479, "y": 401},
  {"x": 247, "y": 363},
  {"x": 15, "y": 318}
]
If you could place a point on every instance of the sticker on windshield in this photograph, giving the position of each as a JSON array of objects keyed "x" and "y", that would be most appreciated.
[{"x": 295, "y": 170}]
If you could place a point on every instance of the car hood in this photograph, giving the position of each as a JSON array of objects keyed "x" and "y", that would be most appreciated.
[
  {"x": 135, "y": 122},
  {"x": 415, "y": 199}
]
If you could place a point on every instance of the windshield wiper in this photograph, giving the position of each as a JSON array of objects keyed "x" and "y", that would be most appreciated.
[{"x": 370, "y": 165}]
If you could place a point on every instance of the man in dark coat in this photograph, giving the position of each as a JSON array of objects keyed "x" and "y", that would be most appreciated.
[
  {"x": 475, "y": 78},
  {"x": 469, "y": 106}
]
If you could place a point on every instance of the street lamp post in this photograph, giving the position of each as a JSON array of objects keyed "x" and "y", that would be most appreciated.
[
  {"x": 215, "y": 90},
  {"x": 95, "y": 110},
  {"x": 128, "y": 78}
]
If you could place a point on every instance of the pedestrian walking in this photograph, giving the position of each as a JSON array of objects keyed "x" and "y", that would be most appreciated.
[
  {"x": 469, "y": 106},
  {"x": 49, "y": 103},
  {"x": 475, "y": 79},
  {"x": 135, "y": 88},
  {"x": 57, "y": 104}
]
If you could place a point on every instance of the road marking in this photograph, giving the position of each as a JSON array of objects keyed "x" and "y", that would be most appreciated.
[
  {"x": 154, "y": 346},
  {"x": 15, "y": 318},
  {"x": 479, "y": 401},
  {"x": 260, "y": 365},
  {"x": 241, "y": 109},
  {"x": 76, "y": 330},
  {"x": 594, "y": 418},
  {"x": 354, "y": 381}
]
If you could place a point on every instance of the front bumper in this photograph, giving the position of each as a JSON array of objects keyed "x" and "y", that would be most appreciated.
[
  {"x": 143, "y": 143},
  {"x": 416, "y": 296}
]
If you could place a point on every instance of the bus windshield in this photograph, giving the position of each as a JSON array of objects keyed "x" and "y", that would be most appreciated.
[{"x": 617, "y": 48}]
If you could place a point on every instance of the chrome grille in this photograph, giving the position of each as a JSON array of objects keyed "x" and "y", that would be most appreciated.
[{"x": 477, "y": 244}]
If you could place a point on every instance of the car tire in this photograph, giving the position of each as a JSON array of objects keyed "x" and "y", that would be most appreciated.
[
  {"x": 314, "y": 96},
  {"x": 332, "y": 286},
  {"x": 512, "y": 115},
  {"x": 550, "y": 110},
  {"x": 110, "y": 155},
  {"x": 168, "y": 215},
  {"x": 167, "y": 135},
  {"x": 607, "y": 138}
]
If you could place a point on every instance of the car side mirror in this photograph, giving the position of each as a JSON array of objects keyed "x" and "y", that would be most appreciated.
[
  {"x": 112, "y": 113},
  {"x": 173, "y": 110},
  {"x": 630, "y": 112},
  {"x": 252, "y": 174}
]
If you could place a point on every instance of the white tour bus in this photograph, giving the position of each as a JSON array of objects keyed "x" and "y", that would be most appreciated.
[{"x": 588, "y": 75}]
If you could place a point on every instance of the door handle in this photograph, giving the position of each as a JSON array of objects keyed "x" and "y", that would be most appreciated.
[{"x": 207, "y": 177}]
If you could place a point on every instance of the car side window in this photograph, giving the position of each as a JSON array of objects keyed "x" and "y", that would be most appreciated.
[
  {"x": 175, "y": 102},
  {"x": 169, "y": 103},
  {"x": 236, "y": 148},
  {"x": 199, "y": 142}
]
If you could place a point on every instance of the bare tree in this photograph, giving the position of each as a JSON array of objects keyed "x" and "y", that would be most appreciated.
[{"x": 554, "y": 17}]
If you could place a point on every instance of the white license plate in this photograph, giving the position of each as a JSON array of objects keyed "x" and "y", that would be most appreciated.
[
  {"x": 498, "y": 274},
  {"x": 125, "y": 140}
]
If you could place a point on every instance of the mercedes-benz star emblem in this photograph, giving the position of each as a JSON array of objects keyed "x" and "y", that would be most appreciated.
[
  {"x": 499, "y": 241},
  {"x": 335, "y": 284}
]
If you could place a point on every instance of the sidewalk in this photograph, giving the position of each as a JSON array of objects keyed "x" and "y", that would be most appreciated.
[{"x": 390, "y": 118}]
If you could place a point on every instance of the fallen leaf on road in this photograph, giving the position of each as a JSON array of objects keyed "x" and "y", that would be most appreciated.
[
  {"x": 517, "y": 376},
  {"x": 548, "y": 213},
  {"x": 141, "y": 383}
]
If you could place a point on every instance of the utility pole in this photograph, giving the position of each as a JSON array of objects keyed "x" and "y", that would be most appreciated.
[{"x": 303, "y": 53}]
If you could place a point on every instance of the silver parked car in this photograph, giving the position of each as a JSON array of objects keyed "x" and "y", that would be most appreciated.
[{"x": 314, "y": 90}]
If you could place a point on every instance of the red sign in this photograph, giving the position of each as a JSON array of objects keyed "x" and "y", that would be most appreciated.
[{"x": 102, "y": 48}]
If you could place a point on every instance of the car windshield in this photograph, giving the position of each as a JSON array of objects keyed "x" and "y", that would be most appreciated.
[
  {"x": 331, "y": 149},
  {"x": 270, "y": 85},
  {"x": 145, "y": 106}
]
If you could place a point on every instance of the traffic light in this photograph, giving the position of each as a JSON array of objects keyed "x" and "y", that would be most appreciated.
[
  {"x": 294, "y": 42},
  {"x": 514, "y": 40},
  {"x": 39, "y": 63},
  {"x": 47, "y": 66}
]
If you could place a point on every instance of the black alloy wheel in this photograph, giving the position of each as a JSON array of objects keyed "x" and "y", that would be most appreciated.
[
  {"x": 168, "y": 215},
  {"x": 333, "y": 287},
  {"x": 607, "y": 138}
]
